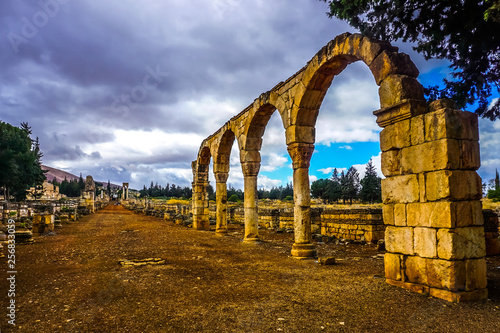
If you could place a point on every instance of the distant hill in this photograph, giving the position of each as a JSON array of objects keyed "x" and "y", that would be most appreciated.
[{"x": 60, "y": 175}]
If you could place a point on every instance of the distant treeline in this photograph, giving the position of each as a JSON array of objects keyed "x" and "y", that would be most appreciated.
[
  {"x": 275, "y": 193},
  {"x": 348, "y": 187},
  {"x": 74, "y": 188},
  {"x": 169, "y": 191}
]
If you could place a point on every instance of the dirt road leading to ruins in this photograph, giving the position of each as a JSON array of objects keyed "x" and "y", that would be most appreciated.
[{"x": 73, "y": 282}]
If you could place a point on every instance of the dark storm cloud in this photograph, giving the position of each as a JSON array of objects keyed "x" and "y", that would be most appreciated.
[{"x": 94, "y": 68}]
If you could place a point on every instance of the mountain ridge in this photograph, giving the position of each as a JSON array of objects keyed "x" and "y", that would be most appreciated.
[{"x": 59, "y": 175}]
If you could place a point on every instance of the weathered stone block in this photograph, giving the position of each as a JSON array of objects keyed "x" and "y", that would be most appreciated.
[
  {"x": 449, "y": 123},
  {"x": 469, "y": 155},
  {"x": 388, "y": 214},
  {"x": 297, "y": 133},
  {"x": 425, "y": 242},
  {"x": 416, "y": 270},
  {"x": 455, "y": 185},
  {"x": 492, "y": 246},
  {"x": 446, "y": 274},
  {"x": 461, "y": 243},
  {"x": 387, "y": 63},
  {"x": 430, "y": 156},
  {"x": 468, "y": 213},
  {"x": 476, "y": 274},
  {"x": 392, "y": 265},
  {"x": 400, "y": 215},
  {"x": 463, "y": 296},
  {"x": 395, "y": 136},
  {"x": 391, "y": 163},
  {"x": 249, "y": 156},
  {"x": 399, "y": 240},
  {"x": 396, "y": 88},
  {"x": 369, "y": 49},
  {"x": 400, "y": 189},
  {"x": 417, "y": 128},
  {"x": 431, "y": 214}
]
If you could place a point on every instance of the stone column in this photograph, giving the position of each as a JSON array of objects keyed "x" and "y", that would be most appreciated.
[
  {"x": 301, "y": 155},
  {"x": 250, "y": 172},
  {"x": 434, "y": 238},
  {"x": 200, "y": 197},
  {"x": 221, "y": 199}
]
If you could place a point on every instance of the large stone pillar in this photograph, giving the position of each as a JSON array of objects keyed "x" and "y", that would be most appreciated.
[
  {"x": 221, "y": 200},
  {"x": 301, "y": 155},
  {"x": 434, "y": 238},
  {"x": 250, "y": 172},
  {"x": 200, "y": 197}
]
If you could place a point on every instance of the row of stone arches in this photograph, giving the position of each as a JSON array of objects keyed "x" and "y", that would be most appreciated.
[{"x": 412, "y": 128}]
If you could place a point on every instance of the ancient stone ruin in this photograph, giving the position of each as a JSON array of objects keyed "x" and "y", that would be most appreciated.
[
  {"x": 125, "y": 191},
  {"x": 434, "y": 227}
]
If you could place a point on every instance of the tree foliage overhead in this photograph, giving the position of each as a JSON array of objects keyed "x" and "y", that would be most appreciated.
[{"x": 465, "y": 32}]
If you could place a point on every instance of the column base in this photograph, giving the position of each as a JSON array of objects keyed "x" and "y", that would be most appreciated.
[
  {"x": 304, "y": 251},
  {"x": 254, "y": 240},
  {"x": 221, "y": 232}
]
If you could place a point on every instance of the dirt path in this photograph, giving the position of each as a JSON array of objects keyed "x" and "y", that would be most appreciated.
[{"x": 73, "y": 282}]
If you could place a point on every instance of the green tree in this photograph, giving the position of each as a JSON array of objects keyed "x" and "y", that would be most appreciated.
[
  {"x": 349, "y": 183},
  {"x": 81, "y": 185},
  {"x": 36, "y": 170},
  {"x": 334, "y": 192},
  {"x": 109, "y": 188},
  {"x": 371, "y": 190},
  {"x": 463, "y": 32},
  {"x": 319, "y": 188},
  {"x": 20, "y": 164}
]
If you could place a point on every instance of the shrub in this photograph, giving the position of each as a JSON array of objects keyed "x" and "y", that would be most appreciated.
[{"x": 233, "y": 198}]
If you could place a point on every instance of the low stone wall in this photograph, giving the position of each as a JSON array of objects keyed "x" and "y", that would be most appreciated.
[
  {"x": 491, "y": 232},
  {"x": 355, "y": 224}
]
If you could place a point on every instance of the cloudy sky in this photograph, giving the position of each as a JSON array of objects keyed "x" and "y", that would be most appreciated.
[{"x": 127, "y": 90}]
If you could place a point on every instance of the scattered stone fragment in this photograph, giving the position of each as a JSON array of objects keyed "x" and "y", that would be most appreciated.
[
  {"x": 326, "y": 261},
  {"x": 142, "y": 262},
  {"x": 381, "y": 245}
]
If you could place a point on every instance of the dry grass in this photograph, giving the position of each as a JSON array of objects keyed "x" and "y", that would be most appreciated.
[
  {"x": 489, "y": 204},
  {"x": 178, "y": 201}
]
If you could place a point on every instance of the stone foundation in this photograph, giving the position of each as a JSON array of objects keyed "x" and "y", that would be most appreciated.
[{"x": 435, "y": 236}]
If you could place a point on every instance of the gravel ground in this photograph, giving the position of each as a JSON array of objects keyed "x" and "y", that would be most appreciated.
[{"x": 73, "y": 282}]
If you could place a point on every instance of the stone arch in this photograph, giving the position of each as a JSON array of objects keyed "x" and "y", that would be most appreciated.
[
  {"x": 434, "y": 237},
  {"x": 250, "y": 160},
  {"x": 392, "y": 71}
]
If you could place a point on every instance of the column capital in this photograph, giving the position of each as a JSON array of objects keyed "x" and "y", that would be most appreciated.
[
  {"x": 301, "y": 154},
  {"x": 250, "y": 169},
  {"x": 221, "y": 177}
]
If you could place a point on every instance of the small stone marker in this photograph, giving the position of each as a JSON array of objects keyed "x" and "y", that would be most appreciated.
[{"x": 326, "y": 261}]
